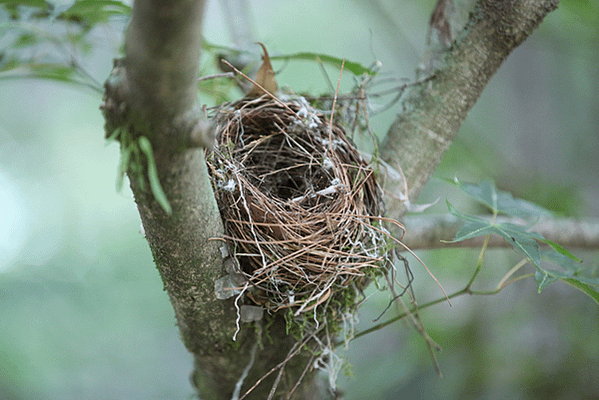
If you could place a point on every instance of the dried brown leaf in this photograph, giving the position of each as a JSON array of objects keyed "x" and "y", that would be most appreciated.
[{"x": 265, "y": 78}]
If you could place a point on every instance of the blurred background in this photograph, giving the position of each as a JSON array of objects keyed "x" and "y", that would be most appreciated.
[{"x": 82, "y": 310}]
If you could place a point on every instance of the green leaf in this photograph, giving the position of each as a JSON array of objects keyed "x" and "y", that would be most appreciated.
[
  {"x": 561, "y": 250},
  {"x": 9, "y": 64},
  {"x": 557, "y": 258},
  {"x": 544, "y": 279},
  {"x": 92, "y": 12},
  {"x": 356, "y": 68},
  {"x": 123, "y": 164},
  {"x": 471, "y": 218},
  {"x": 46, "y": 49},
  {"x": 27, "y": 3},
  {"x": 473, "y": 229},
  {"x": 12, "y": 4},
  {"x": 25, "y": 40},
  {"x": 583, "y": 287},
  {"x": 51, "y": 71},
  {"x": 499, "y": 201},
  {"x": 206, "y": 45},
  {"x": 113, "y": 137},
  {"x": 587, "y": 280},
  {"x": 146, "y": 148},
  {"x": 523, "y": 241},
  {"x": 16, "y": 69}
]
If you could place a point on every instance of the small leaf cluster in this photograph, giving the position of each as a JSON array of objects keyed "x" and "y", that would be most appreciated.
[
  {"x": 523, "y": 240},
  {"x": 137, "y": 159},
  {"x": 43, "y": 40}
]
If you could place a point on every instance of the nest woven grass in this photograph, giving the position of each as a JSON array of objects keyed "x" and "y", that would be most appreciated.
[{"x": 301, "y": 208}]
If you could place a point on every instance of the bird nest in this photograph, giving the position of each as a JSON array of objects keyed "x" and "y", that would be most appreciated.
[{"x": 302, "y": 209}]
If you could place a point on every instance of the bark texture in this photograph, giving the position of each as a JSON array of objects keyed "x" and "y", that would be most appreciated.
[
  {"x": 162, "y": 49},
  {"x": 428, "y": 231}
]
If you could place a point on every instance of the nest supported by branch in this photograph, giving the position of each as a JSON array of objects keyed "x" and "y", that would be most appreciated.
[{"x": 301, "y": 208}]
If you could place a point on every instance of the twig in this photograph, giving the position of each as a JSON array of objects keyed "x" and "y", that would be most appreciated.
[
  {"x": 516, "y": 267},
  {"x": 275, "y": 385},
  {"x": 479, "y": 262},
  {"x": 294, "y": 350},
  {"x": 408, "y": 286},
  {"x": 413, "y": 254},
  {"x": 246, "y": 371},
  {"x": 437, "y": 301},
  {"x": 308, "y": 365},
  {"x": 333, "y": 107},
  {"x": 414, "y": 319},
  {"x": 216, "y": 76}
]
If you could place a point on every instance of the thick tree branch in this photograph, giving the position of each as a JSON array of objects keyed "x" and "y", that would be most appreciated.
[
  {"x": 428, "y": 231},
  {"x": 163, "y": 45},
  {"x": 153, "y": 93},
  {"x": 434, "y": 111}
]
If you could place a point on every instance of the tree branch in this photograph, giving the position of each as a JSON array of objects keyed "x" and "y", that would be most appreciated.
[
  {"x": 434, "y": 111},
  {"x": 428, "y": 231},
  {"x": 153, "y": 93},
  {"x": 163, "y": 45}
]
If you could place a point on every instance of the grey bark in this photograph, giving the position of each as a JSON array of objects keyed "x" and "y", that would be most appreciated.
[
  {"x": 429, "y": 232},
  {"x": 162, "y": 49},
  {"x": 153, "y": 93}
]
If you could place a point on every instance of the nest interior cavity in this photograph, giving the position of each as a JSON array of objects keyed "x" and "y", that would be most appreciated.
[{"x": 301, "y": 207}]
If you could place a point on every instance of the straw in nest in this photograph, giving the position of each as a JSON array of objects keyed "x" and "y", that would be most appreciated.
[{"x": 300, "y": 206}]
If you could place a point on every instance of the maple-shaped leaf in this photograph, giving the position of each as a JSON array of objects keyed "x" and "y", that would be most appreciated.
[
  {"x": 518, "y": 236},
  {"x": 265, "y": 77},
  {"x": 499, "y": 201},
  {"x": 522, "y": 238}
]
